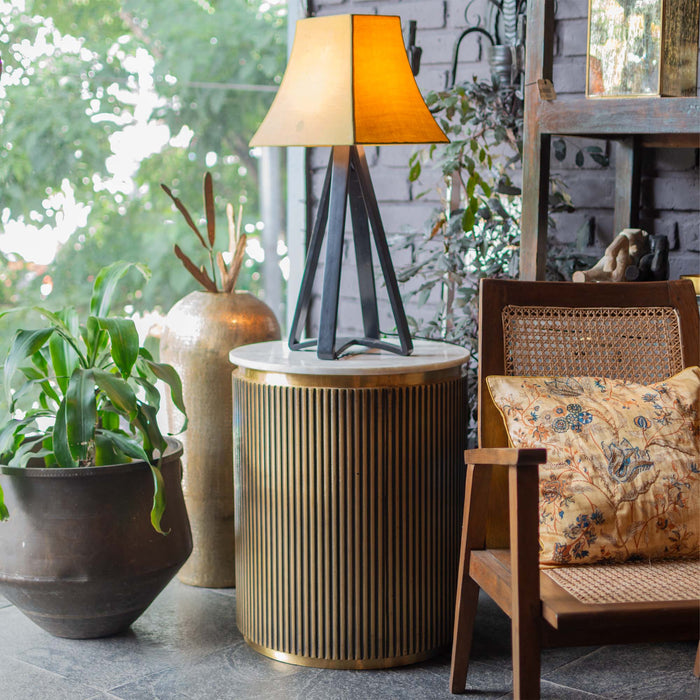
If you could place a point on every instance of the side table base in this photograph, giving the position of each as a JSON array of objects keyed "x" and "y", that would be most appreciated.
[
  {"x": 357, "y": 664},
  {"x": 348, "y": 502}
]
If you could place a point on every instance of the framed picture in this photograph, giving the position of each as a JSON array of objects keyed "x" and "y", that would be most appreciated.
[{"x": 642, "y": 48}]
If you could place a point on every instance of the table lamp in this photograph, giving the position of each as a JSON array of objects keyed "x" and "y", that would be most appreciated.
[{"x": 348, "y": 84}]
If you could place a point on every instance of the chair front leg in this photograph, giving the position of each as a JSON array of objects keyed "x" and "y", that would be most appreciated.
[
  {"x": 473, "y": 537},
  {"x": 525, "y": 588}
]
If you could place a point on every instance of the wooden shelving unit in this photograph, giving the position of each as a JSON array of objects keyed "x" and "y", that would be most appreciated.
[{"x": 633, "y": 123}]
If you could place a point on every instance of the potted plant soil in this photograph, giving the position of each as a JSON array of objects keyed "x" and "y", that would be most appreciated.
[
  {"x": 199, "y": 332},
  {"x": 96, "y": 524}
]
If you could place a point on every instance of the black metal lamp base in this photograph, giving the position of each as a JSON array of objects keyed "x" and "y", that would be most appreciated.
[{"x": 347, "y": 178}]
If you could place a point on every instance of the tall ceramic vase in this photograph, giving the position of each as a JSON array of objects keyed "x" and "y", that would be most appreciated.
[{"x": 200, "y": 331}]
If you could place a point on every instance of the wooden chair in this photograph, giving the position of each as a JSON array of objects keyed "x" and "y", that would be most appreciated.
[{"x": 502, "y": 483}]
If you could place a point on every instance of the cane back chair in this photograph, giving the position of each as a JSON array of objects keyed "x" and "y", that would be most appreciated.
[{"x": 641, "y": 332}]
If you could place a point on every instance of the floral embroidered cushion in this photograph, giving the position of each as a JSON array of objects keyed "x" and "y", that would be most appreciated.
[{"x": 622, "y": 478}]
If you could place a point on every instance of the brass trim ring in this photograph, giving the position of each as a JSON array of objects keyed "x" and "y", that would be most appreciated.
[
  {"x": 318, "y": 662},
  {"x": 348, "y": 381}
]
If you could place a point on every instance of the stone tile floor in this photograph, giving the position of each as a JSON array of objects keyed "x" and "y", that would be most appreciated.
[{"x": 186, "y": 647}]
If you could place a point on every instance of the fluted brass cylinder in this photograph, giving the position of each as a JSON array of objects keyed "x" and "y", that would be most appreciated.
[{"x": 348, "y": 508}]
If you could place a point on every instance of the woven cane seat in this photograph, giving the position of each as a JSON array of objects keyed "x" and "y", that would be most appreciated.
[
  {"x": 638, "y": 344},
  {"x": 636, "y": 582}
]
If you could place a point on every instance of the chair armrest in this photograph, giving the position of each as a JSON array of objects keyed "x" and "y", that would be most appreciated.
[{"x": 506, "y": 456}]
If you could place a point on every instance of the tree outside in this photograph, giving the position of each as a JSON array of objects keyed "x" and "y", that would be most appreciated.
[{"x": 100, "y": 102}]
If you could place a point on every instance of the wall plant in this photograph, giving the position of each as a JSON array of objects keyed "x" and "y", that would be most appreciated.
[{"x": 475, "y": 232}]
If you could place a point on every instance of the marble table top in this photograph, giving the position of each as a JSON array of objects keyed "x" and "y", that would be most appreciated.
[{"x": 275, "y": 356}]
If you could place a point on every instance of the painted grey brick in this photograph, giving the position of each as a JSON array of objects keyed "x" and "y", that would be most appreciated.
[
  {"x": 569, "y": 75},
  {"x": 456, "y": 14},
  {"x": 432, "y": 77},
  {"x": 428, "y": 15},
  {"x": 669, "y": 159},
  {"x": 438, "y": 45},
  {"x": 673, "y": 192},
  {"x": 571, "y": 9},
  {"x": 322, "y": 7},
  {"x": 572, "y": 35}
]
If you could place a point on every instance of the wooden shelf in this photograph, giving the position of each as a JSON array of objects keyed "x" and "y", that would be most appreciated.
[
  {"x": 663, "y": 117},
  {"x": 634, "y": 123}
]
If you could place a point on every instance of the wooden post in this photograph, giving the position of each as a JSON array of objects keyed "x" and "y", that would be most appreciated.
[
  {"x": 538, "y": 65},
  {"x": 627, "y": 178}
]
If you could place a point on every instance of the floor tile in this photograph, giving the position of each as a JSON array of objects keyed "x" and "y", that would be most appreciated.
[
  {"x": 634, "y": 672},
  {"x": 182, "y": 625},
  {"x": 552, "y": 691},
  {"x": 241, "y": 674},
  {"x": 186, "y": 647},
  {"x": 21, "y": 680}
]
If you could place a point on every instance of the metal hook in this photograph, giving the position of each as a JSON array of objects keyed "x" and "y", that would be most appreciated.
[{"x": 455, "y": 53}]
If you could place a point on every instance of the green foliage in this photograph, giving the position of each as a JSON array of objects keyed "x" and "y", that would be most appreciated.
[
  {"x": 74, "y": 78},
  {"x": 85, "y": 394},
  {"x": 475, "y": 233}
]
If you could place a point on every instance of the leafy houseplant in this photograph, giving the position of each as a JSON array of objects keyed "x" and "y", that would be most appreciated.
[
  {"x": 83, "y": 462},
  {"x": 199, "y": 332},
  {"x": 89, "y": 392},
  {"x": 475, "y": 232}
]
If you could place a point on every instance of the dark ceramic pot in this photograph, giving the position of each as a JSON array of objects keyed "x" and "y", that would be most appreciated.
[{"x": 78, "y": 555}]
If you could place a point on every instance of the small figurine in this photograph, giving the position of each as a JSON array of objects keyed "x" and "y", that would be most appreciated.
[
  {"x": 627, "y": 249},
  {"x": 654, "y": 265}
]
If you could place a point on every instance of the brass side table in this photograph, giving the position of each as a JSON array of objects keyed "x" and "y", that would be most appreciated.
[{"x": 348, "y": 482}]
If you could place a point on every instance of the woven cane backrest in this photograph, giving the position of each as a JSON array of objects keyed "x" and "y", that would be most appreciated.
[{"x": 639, "y": 344}]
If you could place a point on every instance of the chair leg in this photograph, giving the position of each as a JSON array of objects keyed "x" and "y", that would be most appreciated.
[
  {"x": 473, "y": 537},
  {"x": 465, "y": 615},
  {"x": 525, "y": 582},
  {"x": 696, "y": 668}
]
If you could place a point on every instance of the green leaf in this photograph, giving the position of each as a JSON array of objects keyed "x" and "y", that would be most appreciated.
[
  {"x": 95, "y": 339},
  {"x": 415, "y": 170},
  {"x": 26, "y": 451},
  {"x": 151, "y": 392},
  {"x": 109, "y": 420},
  {"x": 61, "y": 448},
  {"x": 468, "y": 220},
  {"x": 47, "y": 390},
  {"x": 4, "y": 513},
  {"x": 40, "y": 360},
  {"x": 169, "y": 375},
  {"x": 69, "y": 329},
  {"x": 579, "y": 159},
  {"x": 145, "y": 422},
  {"x": 124, "y": 444},
  {"x": 24, "y": 345},
  {"x": 158, "y": 498},
  {"x": 64, "y": 359},
  {"x": 81, "y": 412},
  {"x": 125, "y": 342},
  {"x": 13, "y": 433},
  {"x": 106, "y": 452},
  {"x": 120, "y": 394},
  {"x": 106, "y": 284}
]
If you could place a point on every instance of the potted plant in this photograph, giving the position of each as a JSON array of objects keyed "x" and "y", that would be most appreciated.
[
  {"x": 84, "y": 463},
  {"x": 199, "y": 333}
]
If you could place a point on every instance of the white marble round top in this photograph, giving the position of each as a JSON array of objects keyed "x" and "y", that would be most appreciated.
[{"x": 275, "y": 356}]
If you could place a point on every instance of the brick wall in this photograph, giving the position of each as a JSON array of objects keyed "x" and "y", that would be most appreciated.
[{"x": 670, "y": 188}]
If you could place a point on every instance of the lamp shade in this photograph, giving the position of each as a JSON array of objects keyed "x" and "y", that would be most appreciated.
[{"x": 348, "y": 82}]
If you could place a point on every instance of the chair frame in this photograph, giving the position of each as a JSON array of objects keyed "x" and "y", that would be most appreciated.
[{"x": 542, "y": 613}]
